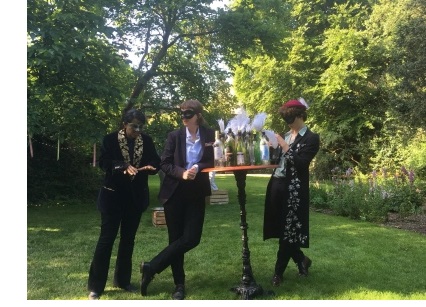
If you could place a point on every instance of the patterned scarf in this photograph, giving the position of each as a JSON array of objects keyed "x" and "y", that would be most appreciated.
[
  {"x": 292, "y": 224},
  {"x": 137, "y": 152}
]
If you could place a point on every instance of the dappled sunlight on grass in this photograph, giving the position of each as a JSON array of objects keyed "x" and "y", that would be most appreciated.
[
  {"x": 57, "y": 263},
  {"x": 37, "y": 229},
  {"x": 221, "y": 225},
  {"x": 370, "y": 294}
]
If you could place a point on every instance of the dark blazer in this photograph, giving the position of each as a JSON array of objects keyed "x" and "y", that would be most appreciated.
[
  {"x": 173, "y": 162},
  {"x": 303, "y": 151},
  {"x": 118, "y": 186}
]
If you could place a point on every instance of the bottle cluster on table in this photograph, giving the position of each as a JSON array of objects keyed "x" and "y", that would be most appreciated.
[{"x": 242, "y": 148}]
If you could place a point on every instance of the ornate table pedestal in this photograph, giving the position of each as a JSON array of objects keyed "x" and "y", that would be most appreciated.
[{"x": 248, "y": 288}]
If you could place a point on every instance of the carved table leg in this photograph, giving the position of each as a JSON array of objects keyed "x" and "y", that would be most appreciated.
[{"x": 248, "y": 287}]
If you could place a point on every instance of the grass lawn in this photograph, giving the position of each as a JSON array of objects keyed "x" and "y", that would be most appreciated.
[{"x": 352, "y": 260}]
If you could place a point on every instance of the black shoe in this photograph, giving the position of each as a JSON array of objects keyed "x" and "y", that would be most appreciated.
[
  {"x": 179, "y": 293},
  {"x": 147, "y": 276},
  {"x": 277, "y": 280},
  {"x": 303, "y": 266},
  {"x": 94, "y": 296}
]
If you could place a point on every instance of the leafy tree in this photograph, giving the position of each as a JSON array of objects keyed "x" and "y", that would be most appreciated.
[
  {"x": 76, "y": 79},
  {"x": 177, "y": 60},
  {"x": 334, "y": 54},
  {"x": 406, "y": 74},
  {"x": 75, "y": 84}
]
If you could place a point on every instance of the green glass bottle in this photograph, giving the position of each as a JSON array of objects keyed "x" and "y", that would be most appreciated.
[{"x": 256, "y": 145}]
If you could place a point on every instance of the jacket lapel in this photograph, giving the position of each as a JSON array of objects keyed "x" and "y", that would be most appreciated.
[
  {"x": 202, "y": 139},
  {"x": 299, "y": 138},
  {"x": 182, "y": 140}
]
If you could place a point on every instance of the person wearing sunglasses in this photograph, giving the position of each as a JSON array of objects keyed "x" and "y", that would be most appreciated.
[
  {"x": 187, "y": 151},
  {"x": 286, "y": 213},
  {"x": 127, "y": 156}
]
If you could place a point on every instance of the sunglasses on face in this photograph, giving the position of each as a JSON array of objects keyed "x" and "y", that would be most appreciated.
[
  {"x": 289, "y": 119},
  {"x": 187, "y": 114},
  {"x": 135, "y": 127}
]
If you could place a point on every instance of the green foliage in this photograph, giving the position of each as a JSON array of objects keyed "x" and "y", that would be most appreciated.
[
  {"x": 351, "y": 62},
  {"x": 402, "y": 197},
  {"x": 75, "y": 78},
  {"x": 407, "y": 69},
  {"x": 359, "y": 64},
  {"x": 346, "y": 199},
  {"x": 70, "y": 177},
  {"x": 318, "y": 196},
  {"x": 415, "y": 153},
  {"x": 370, "y": 197},
  {"x": 174, "y": 44}
]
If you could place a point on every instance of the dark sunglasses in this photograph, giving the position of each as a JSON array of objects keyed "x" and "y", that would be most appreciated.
[
  {"x": 187, "y": 114},
  {"x": 135, "y": 127}
]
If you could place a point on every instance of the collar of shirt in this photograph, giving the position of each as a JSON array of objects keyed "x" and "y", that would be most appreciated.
[
  {"x": 301, "y": 132},
  {"x": 188, "y": 135},
  {"x": 279, "y": 172},
  {"x": 193, "y": 149}
]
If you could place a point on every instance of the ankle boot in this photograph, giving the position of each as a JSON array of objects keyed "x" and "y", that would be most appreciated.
[{"x": 303, "y": 266}]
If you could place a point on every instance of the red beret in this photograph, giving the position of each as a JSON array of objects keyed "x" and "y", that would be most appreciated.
[{"x": 293, "y": 103}]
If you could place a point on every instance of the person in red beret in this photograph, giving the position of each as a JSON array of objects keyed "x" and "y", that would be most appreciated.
[{"x": 286, "y": 214}]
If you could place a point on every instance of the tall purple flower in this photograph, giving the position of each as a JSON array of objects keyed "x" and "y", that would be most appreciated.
[{"x": 411, "y": 177}]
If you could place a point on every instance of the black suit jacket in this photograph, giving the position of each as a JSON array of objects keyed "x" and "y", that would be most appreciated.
[
  {"x": 118, "y": 186},
  {"x": 173, "y": 162}
]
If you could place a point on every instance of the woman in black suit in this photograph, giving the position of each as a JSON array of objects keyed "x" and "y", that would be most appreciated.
[
  {"x": 188, "y": 150},
  {"x": 127, "y": 156},
  {"x": 286, "y": 214}
]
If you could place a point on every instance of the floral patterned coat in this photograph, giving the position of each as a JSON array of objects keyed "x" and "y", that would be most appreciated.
[{"x": 289, "y": 219}]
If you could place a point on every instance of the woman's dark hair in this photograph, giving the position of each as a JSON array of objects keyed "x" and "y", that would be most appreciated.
[
  {"x": 197, "y": 107},
  {"x": 132, "y": 114},
  {"x": 293, "y": 111}
]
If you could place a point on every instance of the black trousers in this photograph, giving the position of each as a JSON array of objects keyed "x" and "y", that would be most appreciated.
[
  {"x": 286, "y": 250},
  {"x": 184, "y": 213},
  {"x": 127, "y": 220}
]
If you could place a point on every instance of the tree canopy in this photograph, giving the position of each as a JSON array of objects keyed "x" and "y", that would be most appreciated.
[
  {"x": 350, "y": 61},
  {"x": 359, "y": 64}
]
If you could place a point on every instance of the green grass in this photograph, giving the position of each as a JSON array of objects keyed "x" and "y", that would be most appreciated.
[{"x": 352, "y": 260}]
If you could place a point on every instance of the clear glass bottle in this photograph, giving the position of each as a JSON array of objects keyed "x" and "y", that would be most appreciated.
[
  {"x": 240, "y": 149},
  {"x": 230, "y": 156},
  {"x": 264, "y": 149},
  {"x": 250, "y": 148},
  {"x": 218, "y": 148}
]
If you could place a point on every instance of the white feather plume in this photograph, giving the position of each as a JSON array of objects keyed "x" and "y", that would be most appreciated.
[
  {"x": 221, "y": 124},
  {"x": 302, "y": 101},
  {"x": 272, "y": 138},
  {"x": 248, "y": 127},
  {"x": 233, "y": 125},
  {"x": 241, "y": 119},
  {"x": 259, "y": 121}
]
